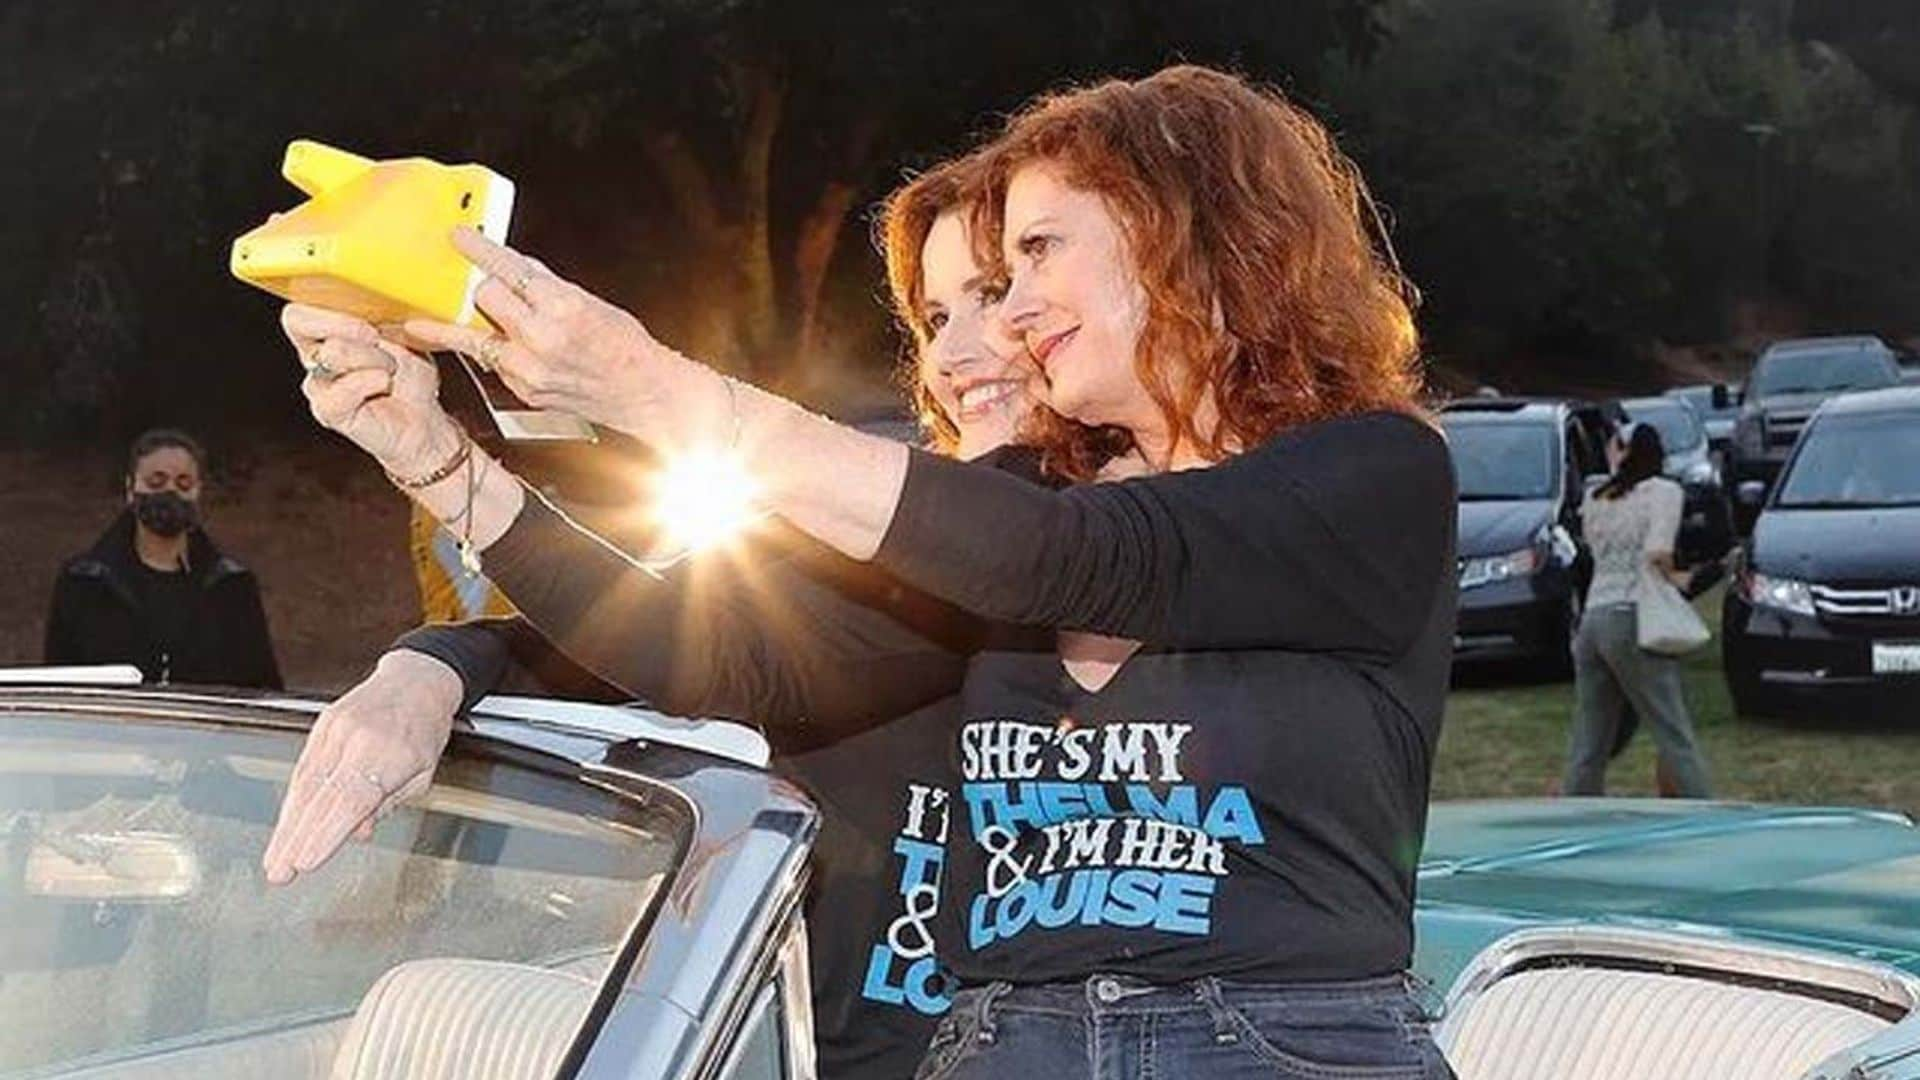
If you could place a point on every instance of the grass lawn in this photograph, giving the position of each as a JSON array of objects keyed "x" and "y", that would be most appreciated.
[{"x": 1511, "y": 739}]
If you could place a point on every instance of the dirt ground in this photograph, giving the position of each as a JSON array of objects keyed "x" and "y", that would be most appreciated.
[{"x": 323, "y": 531}]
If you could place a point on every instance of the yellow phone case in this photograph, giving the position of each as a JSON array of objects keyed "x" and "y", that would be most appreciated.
[{"x": 372, "y": 239}]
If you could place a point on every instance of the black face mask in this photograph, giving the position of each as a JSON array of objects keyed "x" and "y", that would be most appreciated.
[{"x": 164, "y": 513}]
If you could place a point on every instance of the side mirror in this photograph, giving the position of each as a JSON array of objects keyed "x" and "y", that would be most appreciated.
[
  {"x": 1751, "y": 492},
  {"x": 1721, "y": 398}
]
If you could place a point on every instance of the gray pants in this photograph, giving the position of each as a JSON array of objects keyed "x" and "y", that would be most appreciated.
[{"x": 1609, "y": 671}]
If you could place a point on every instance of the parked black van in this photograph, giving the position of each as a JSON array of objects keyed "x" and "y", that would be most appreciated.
[
  {"x": 1825, "y": 607},
  {"x": 1522, "y": 467}
]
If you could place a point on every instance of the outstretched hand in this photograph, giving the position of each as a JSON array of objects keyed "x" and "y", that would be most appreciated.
[{"x": 369, "y": 751}]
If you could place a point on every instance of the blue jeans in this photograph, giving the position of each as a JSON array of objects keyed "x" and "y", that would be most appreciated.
[{"x": 1113, "y": 1027}]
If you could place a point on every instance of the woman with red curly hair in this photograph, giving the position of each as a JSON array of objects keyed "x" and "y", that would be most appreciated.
[{"x": 1195, "y": 763}]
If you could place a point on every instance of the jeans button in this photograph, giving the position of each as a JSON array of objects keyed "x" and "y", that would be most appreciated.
[{"x": 1107, "y": 989}]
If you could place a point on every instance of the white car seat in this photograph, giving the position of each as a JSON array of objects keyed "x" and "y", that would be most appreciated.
[
  {"x": 1599, "y": 1024},
  {"x": 463, "y": 1020}
]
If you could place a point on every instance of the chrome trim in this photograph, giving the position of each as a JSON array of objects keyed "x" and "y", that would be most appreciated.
[
  {"x": 71, "y": 675},
  {"x": 1896, "y": 600},
  {"x": 796, "y": 987},
  {"x": 721, "y": 738},
  {"x": 1899, "y": 1043},
  {"x": 718, "y": 933},
  {"x": 496, "y": 714}
]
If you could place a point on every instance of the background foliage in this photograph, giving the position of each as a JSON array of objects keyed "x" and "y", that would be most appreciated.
[{"x": 1576, "y": 184}]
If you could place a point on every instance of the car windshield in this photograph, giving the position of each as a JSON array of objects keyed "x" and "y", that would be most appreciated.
[
  {"x": 1700, "y": 397},
  {"x": 136, "y": 926},
  {"x": 1679, "y": 428},
  {"x": 1858, "y": 460},
  {"x": 1819, "y": 371},
  {"x": 1503, "y": 460}
]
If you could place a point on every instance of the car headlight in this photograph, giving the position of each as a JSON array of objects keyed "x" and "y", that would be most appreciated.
[
  {"x": 1747, "y": 433},
  {"x": 1782, "y": 594},
  {"x": 1486, "y": 571},
  {"x": 1701, "y": 472}
]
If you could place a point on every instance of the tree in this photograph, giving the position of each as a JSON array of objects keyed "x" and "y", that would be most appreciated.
[{"x": 705, "y": 162}]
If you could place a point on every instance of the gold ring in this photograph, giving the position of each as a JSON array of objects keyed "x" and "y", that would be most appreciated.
[{"x": 489, "y": 351}]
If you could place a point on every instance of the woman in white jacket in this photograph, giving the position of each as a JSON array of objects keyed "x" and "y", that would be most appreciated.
[{"x": 1631, "y": 523}]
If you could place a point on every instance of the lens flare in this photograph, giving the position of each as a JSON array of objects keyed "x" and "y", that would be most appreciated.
[{"x": 703, "y": 498}]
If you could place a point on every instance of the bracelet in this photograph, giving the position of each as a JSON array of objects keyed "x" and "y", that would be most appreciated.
[{"x": 446, "y": 469}]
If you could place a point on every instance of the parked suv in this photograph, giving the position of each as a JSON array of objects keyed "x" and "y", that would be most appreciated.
[
  {"x": 1706, "y": 528},
  {"x": 1522, "y": 467},
  {"x": 1826, "y": 604},
  {"x": 1790, "y": 380},
  {"x": 1717, "y": 407}
]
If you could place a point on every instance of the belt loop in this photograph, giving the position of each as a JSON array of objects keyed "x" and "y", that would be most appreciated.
[
  {"x": 983, "y": 1012},
  {"x": 1425, "y": 996},
  {"x": 1208, "y": 991}
]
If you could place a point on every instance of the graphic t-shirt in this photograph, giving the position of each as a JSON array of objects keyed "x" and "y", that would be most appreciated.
[
  {"x": 1246, "y": 797},
  {"x": 873, "y": 910},
  {"x": 855, "y": 679}
]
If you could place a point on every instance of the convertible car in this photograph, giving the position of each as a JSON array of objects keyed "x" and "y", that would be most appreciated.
[
  {"x": 585, "y": 891},
  {"x": 590, "y": 891}
]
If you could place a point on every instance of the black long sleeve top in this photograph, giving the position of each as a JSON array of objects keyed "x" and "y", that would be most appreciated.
[{"x": 1246, "y": 797}]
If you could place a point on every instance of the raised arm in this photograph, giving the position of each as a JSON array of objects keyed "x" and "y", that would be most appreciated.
[
  {"x": 1332, "y": 537},
  {"x": 1335, "y": 536}
]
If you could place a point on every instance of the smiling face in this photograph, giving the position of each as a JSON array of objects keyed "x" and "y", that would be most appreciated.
[
  {"x": 980, "y": 378},
  {"x": 1075, "y": 302}
]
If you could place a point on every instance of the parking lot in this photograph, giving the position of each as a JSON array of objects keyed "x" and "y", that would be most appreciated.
[{"x": 1506, "y": 735}]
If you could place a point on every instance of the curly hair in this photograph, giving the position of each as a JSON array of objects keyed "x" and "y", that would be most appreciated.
[
  {"x": 1074, "y": 451},
  {"x": 1265, "y": 295}
]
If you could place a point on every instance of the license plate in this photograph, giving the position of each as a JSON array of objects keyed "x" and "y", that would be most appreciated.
[{"x": 1896, "y": 659}]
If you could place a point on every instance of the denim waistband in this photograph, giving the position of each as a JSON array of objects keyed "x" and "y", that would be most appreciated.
[{"x": 1115, "y": 994}]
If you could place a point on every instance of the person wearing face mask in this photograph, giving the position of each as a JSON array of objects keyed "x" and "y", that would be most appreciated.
[{"x": 154, "y": 590}]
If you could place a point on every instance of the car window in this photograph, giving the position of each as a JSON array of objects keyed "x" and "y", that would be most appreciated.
[
  {"x": 1864, "y": 459},
  {"x": 1504, "y": 460},
  {"x": 134, "y": 917},
  {"x": 1678, "y": 425},
  {"x": 1819, "y": 371}
]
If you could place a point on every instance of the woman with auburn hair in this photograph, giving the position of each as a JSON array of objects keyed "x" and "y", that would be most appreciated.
[
  {"x": 1195, "y": 780},
  {"x": 852, "y": 675}
]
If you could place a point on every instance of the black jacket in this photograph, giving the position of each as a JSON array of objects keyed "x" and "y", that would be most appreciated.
[{"x": 99, "y": 616}]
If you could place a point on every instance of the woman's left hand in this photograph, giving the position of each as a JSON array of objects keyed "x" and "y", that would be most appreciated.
[{"x": 564, "y": 348}]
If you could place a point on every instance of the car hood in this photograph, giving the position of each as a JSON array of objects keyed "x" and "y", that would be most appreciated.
[
  {"x": 1834, "y": 879},
  {"x": 1787, "y": 406},
  {"x": 1678, "y": 463},
  {"x": 1838, "y": 545},
  {"x": 1496, "y": 528}
]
